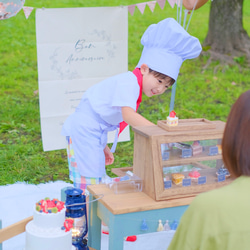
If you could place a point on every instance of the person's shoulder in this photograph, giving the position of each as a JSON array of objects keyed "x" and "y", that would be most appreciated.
[
  {"x": 212, "y": 199},
  {"x": 127, "y": 80},
  {"x": 126, "y": 75}
]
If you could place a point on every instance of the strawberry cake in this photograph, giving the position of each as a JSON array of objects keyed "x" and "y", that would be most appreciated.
[
  {"x": 194, "y": 175},
  {"x": 47, "y": 229},
  {"x": 172, "y": 119}
]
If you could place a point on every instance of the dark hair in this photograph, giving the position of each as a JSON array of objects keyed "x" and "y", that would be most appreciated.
[
  {"x": 162, "y": 76},
  {"x": 236, "y": 138}
]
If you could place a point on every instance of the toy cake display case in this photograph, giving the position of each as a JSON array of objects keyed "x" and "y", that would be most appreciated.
[{"x": 179, "y": 161}]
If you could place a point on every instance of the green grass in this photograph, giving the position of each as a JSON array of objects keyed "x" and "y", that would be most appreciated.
[{"x": 208, "y": 94}]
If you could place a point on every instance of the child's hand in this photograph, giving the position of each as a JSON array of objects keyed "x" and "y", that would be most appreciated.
[{"x": 109, "y": 157}]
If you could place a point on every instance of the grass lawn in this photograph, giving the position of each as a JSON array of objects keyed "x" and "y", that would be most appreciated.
[{"x": 207, "y": 94}]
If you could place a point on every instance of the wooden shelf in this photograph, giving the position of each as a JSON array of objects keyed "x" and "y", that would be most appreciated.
[{"x": 175, "y": 158}]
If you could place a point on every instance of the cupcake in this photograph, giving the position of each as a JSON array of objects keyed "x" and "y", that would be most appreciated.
[{"x": 194, "y": 175}]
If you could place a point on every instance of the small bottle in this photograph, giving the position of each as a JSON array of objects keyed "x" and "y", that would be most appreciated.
[
  {"x": 144, "y": 226},
  {"x": 166, "y": 226},
  {"x": 160, "y": 226}
]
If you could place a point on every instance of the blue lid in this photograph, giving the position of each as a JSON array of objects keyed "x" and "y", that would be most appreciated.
[
  {"x": 74, "y": 196},
  {"x": 73, "y": 192}
]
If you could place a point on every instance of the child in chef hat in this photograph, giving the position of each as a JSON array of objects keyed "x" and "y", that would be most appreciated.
[{"x": 112, "y": 103}]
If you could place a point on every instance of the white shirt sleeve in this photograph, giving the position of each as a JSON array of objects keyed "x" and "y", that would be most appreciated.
[{"x": 126, "y": 92}]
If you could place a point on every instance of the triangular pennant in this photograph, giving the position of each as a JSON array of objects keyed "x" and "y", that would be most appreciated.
[
  {"x": 141, "y": 7},
  {"x": 131, "y": 9},
  {"x": 172, "y": 3},
  {"x": 151, "y": 5},
  {"x": 161, "y": 3},
  {"x": 27, "y": 11}
]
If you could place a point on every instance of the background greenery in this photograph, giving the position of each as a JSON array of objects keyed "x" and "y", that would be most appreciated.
[{"x": 200, "y": 93}]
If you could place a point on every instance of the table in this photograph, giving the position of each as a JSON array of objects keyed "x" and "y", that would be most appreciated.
[{"x": 124, "y": 213}]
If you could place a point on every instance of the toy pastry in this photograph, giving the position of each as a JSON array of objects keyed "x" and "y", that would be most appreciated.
[
  {"x": 219, "y": 149},
  {"x": 196, "y": 148},
  {"x": 172, "y": 119},
  {"x": 223, "y": 170},
  {"x": 177, "y": 178},
  {"x": 194, "y": 175}
]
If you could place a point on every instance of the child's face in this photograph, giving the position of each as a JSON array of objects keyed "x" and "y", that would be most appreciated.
[{"x": 152, "y": 85}]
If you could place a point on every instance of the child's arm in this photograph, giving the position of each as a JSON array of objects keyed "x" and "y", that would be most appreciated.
[
  {"x": 109, "y": 157},
  {"x": 134, "y": 119}
]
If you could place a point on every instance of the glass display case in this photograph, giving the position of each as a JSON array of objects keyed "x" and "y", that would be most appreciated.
[{"x": 180, "y": 161}]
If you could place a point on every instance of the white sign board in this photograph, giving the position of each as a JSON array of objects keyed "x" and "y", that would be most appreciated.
[{"x": 76, "y": 48}]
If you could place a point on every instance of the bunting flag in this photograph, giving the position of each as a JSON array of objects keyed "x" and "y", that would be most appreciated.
[
  {"x": 162, "y": 3},
  {"x": 131, "y": 9},
  {"x": 151, "y": 5},
  {"x": 141, "y": 7},
  {"x": 27, "y": 11}
]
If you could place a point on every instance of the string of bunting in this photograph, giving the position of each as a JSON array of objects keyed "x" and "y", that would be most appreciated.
[
  {"x": 150, "y": 4},
  {"x": 9, "y": 8}
]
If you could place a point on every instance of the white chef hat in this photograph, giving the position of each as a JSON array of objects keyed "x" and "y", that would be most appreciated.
[{"x": 166, "y": 45}]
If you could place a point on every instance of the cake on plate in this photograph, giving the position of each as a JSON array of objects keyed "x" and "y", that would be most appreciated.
[
  {"x": 177, "y": 178},
  {"x": 47, "y": 229},
  {"x": 172, "y": 119},
  {"x": 194, "y": 175}
]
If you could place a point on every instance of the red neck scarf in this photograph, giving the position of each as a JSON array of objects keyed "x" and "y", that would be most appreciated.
[{"x": 138, "y": 75}]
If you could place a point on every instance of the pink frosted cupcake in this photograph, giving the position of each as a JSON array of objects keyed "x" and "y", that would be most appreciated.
[{"x": 194, "y": 175}]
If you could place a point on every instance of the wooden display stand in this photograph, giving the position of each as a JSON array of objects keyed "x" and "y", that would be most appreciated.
[{"x": 148, "y": 163}]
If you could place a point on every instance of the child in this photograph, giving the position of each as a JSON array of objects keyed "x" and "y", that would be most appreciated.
[{"x": 112, "y": 103}]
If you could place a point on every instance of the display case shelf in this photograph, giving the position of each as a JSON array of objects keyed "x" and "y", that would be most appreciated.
[{"x": 173, "y": 160}]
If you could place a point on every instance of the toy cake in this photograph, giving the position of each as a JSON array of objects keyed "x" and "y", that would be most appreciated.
[
  {"x": 47, "y": 229},
  {"x": 219, "y": 149},
  {"x": 177, "y": 178},
  {"x": 223, "y": 171},
  {"x": 194, "y": 175},
  {"x": 196, "y": 148},
  {"x": 172, "y": 119}
]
